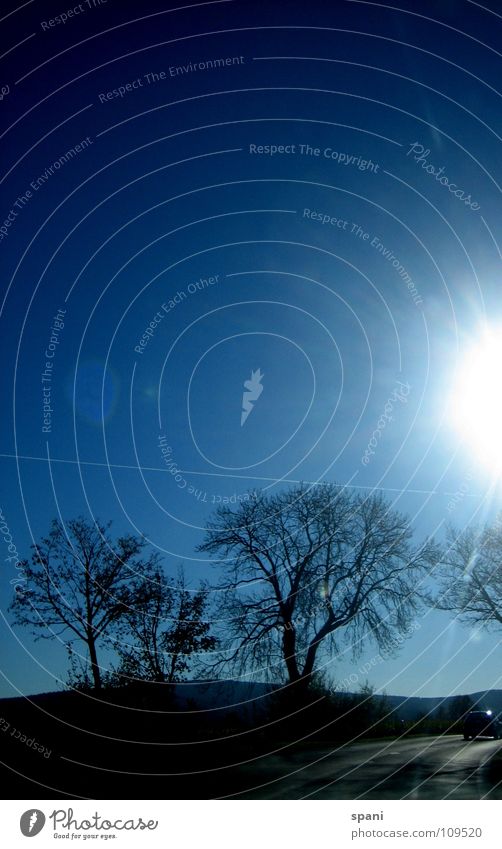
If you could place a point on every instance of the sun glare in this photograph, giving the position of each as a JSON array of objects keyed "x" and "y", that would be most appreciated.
[{"x": 476, "y": 401}]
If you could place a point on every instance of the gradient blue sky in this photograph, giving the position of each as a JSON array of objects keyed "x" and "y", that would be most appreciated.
[{"x": 168, "y": 193}]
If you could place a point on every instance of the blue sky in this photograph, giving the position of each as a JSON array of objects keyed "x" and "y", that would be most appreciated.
[{"x": 169, "y": 197}]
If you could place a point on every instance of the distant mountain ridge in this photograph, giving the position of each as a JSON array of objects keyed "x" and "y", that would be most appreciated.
[
  {"x": 411, "y": 707},
  {"x": 251, "y": 698},
  {"x": 238, "y": 695}
]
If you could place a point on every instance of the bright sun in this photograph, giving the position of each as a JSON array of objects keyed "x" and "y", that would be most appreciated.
[{"x": 476, "y": 401}]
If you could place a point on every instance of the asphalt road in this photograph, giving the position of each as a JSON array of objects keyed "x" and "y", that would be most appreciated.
[{"x": 406, "y": 768}]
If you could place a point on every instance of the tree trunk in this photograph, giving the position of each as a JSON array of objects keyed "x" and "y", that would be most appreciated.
[
  {"x": 289, "y": 651},
  {"x": 172, "y": 671},
  {"x": 308, "y": 668},
  {"x": 96, "y": 673}
]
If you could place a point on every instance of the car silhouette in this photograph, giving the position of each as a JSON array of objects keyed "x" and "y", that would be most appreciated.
[{"x": 482, "y": 723}]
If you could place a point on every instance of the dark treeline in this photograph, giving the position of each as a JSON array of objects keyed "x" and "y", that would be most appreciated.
[{"x": 300, "y": 575}]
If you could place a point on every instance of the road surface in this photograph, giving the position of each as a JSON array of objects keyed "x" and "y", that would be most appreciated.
[{"x": 407, "y": 768}]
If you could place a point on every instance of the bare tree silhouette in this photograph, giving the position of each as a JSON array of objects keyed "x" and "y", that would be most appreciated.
[
  {"x": 470, "y": 575},
  {"x": 79, "y": 582},
  {"x": 310, "y": 568},
  {"x": 164, "y": 630}
]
